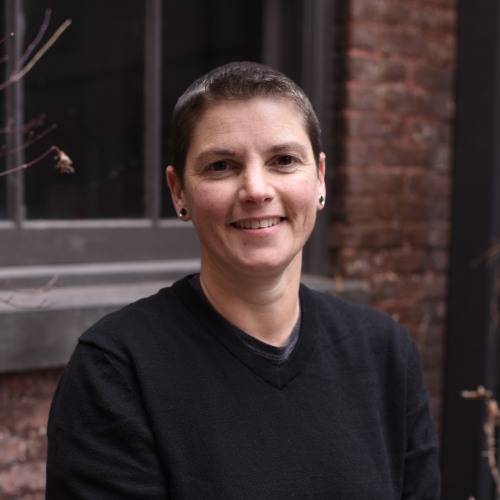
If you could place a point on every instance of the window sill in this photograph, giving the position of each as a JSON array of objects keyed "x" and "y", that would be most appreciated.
[{"x": 41, "y": 330}]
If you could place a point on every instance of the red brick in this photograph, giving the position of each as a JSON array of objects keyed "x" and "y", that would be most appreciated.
[
  {"x": 406, "y": 100},
  {"x": 376, "y": 70},
  {"x": 19, "y": 479},
  {"x": 37, "y": 384},
  {"x": 381, "y": 11},
  {"x": 418, "y": 47},
  {"x": 407, "y": 157},
  {"x": 425, "y": 234},
  {"x": 363, "y": 37},
  {"x": 33, "y": 416},
  {"x": 374, "y": 126},
  {"x": 428, "y": 131},
  {"x": 429, "y": 185},
  {"x": 415, "y": 287},
  {"x": 354, "y": 264},
  {"x": 429, "y": 20},
  {"x": 373, "y": 236},
  {"x": 370, "y": 181},
  {"x": 402, "y": 261},
  {"x": 12, "y": 450},
  {"x": 404, "y": 45},
  {"x": 364, "y": 98},
  {"x": 442, "y": 159},
  {"x": 442, "y": 105},
  {"x": 439, "y": 260},
  {"x": 359, "y": 153}
]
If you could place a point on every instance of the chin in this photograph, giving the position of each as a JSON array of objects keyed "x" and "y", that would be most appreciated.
[{"x": 267, "y": 267}]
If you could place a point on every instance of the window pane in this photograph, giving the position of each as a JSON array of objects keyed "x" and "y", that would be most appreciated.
[
  {"x": 89, "y": 84},
  {"x": 197, "y": 36}
]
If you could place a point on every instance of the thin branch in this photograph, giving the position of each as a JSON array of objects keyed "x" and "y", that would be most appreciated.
[
  {"x": 29, "y": 66},
  {"x": 5, "y": 38},
  {"x": 32, "y": 46},
  {"x": 32, "y": 291},
  {"x": 9, "y": 301},
  {"x": 42, "y": 51},
  {"x": 489, "y": 256},
  {"x": 29, "y": 143},
  {"x": 30, "y": 163},
  {"x": 26, "y": 127},
  {"x": 490, "y": 424}
]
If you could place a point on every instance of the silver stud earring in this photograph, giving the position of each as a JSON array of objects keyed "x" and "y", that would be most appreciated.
[
  {"x": 182, "y": 212},
  {"x": 322, "y": 201}
]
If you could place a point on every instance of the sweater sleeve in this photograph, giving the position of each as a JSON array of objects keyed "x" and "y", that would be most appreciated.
[
  {"x": 421, "y": 472},
  {"x": 99, "y": 441}
]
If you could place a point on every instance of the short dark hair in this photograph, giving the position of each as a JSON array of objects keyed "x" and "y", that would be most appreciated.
[{"x": 240, "y": 81}]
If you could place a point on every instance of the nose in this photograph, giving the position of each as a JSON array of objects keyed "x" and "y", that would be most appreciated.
[{"x": 256, "y": 186}]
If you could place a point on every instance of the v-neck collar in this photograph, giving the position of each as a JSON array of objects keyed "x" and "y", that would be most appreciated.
[{"x": 278, "y": 376}]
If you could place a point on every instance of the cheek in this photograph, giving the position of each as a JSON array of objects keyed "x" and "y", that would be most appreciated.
[
  {"x": 304, "y": 197},
  {"x": 209, "y": 201}
]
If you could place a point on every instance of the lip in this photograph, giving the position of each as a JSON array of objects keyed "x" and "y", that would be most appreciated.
[{"x": 257, "y": 223}]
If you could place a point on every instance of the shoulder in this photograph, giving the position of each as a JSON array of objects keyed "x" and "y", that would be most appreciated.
[
  {"x": 136, "y": 325},
  {"x": 358, "y": 325}
]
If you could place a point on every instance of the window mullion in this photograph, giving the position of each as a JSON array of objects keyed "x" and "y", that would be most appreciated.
[
  {"x": 14, "y": 113},
  {"x": 316, "y": 77},
  {"x": 152, "y": 109}
]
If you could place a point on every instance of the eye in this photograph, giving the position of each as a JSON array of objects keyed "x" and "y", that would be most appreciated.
[
  {"x": 285, "y": 160},
  {"x": 218, "y": 166}
]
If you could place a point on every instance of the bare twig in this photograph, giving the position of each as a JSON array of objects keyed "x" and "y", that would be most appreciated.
[
  {"x": 21, "y": 73},
  {"x": 32, "y": 291},
  {"x": 26, "y": 127},
  {"x": 14, "y": 299},
  {"x": 29, "y": 164},
  {"x": 27, "y": 144},
  {"x": 5, "y": 38},
  {"x": 33, "y": 45},
  {"x": 11, "y": 302},
  {"x": 488, "y": 257},
  {"x": 490, "y": 424},
  {"x": 63, "y": 162}
]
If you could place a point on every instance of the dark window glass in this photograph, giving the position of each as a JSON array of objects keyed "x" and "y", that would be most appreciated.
[
  {"x": 197, "y": 36},
  {"x": 87, "y": 95},
  {"x": 89, "y": 84}
]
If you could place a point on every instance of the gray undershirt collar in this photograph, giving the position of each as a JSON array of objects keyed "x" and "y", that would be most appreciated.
[{"x": 273, "y": 353}]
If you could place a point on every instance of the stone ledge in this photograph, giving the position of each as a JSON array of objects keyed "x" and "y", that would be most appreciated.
[{"x": 43, "y": 333}]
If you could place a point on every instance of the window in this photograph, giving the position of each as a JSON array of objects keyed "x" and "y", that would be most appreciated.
[{"x": 108, "y": 86}]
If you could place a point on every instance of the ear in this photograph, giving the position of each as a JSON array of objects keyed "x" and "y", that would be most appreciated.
[
  {"x": 321, "y": 177},
  {"x": 176, "y": 191}
]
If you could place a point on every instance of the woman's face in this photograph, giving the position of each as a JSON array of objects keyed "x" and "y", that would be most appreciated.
[{"x": 251, "y": 186}]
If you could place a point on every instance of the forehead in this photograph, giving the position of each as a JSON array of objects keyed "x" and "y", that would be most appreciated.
[{"x": 256, "y": 118}]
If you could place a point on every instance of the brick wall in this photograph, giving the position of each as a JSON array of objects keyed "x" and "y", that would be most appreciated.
[
  {"x": 24, "y": 406},
  {"x": 391, "y": 205}
]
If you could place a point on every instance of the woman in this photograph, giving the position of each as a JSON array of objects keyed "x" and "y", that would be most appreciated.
[{"x": 239, "y": 382}]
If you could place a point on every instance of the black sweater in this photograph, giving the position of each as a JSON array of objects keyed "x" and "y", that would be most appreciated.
[{"x": 162, "y": 400}]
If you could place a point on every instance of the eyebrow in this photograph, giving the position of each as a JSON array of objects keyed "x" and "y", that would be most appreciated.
[
  {"x": 294, "y": 146},
  {"x": 209, "y": 153}
]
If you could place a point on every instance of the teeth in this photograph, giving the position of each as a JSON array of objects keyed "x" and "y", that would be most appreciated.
[{"x": 258, "y": 224}]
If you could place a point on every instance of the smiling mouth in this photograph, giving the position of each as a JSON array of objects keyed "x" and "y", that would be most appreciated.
[{"x": 257, "y": 224}]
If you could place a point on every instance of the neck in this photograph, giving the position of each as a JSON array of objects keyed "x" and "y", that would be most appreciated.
[{"x": 264, "y": 307}]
